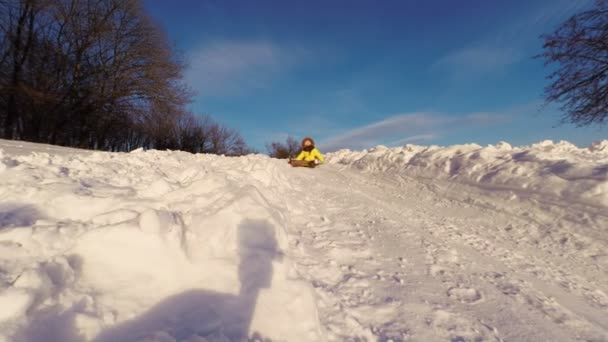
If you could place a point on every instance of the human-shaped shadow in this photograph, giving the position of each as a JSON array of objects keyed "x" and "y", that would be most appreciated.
[{"x": 212, "y": 315}]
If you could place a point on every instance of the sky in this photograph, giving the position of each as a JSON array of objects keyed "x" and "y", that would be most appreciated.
[{"x": 360, "y": 73}]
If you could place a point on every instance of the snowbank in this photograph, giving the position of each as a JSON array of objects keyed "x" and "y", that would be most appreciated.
[
  {"x": 547, "y": 168},
  {"x": 161, "y": 246}
]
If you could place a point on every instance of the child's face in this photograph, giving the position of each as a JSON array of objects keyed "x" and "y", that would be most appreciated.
[{"x": 307, "y": 143}]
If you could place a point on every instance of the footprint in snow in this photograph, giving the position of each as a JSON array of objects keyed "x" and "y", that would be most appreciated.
[
  {"x": 598, "y": 297},
  {"x": 465, "y": 295},
  {"x": 438, "y": 271},
  {"x": 402, "y": 262},
  {"x": 457, "y": 328}
]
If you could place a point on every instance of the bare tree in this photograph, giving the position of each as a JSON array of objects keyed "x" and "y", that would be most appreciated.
[
  {"x": 194, "y": 133},
  {"x": 201, "y": 134},
  {"x": 97, "y": 74},
  {"x": 224, "y": 140},
  {"x": 283, "y": 150},
  {"x": 579, "y": 47},
  {"x": 18, "y": 40}
]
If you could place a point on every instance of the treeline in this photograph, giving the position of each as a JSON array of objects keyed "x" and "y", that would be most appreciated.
[
  {"x": 97, "y": 74},
  {"x": 283, "y": 150}
]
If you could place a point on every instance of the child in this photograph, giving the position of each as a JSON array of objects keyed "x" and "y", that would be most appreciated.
[{"x": 309, "y": 153}]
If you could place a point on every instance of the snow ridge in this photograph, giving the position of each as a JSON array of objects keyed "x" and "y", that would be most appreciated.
[{"x": 558, "y": 170}]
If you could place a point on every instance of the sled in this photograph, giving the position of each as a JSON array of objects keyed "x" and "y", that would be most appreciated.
[{"x": 302, "y": 163}]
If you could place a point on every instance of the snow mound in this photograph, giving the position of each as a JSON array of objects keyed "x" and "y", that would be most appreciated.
[
  {"x": 155, "y": 246},
  {"x": 546, "y": 168}
]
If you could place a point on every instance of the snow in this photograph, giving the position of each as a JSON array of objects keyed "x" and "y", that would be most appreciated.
[
  {"x": 546, "y": 169},
  {"x": 120, "y": 247},
  {"x": 459, "y": 243}
]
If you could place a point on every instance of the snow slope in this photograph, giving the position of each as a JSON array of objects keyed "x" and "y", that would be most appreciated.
[{"x": 170, "y": 246}]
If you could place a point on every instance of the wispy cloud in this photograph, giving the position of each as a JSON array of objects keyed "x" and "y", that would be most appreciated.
[
  {"x": 547, "y": 16},
  {"x": 415, "y": 139},
  {"x": 408, "y": 127},
  {"x": 234, "y": 67},
  {"x": 479, "y": 59},
  {"x": 509, "y": 44}
]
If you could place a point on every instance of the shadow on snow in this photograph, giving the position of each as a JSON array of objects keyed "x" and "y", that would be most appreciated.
[{"x": 190, "y": 315}]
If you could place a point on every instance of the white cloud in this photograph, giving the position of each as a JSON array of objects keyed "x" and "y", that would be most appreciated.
[
  {"x": 485, "y": 118},
  {"x": 415, "y": 139},
  {"x": 509, "y": 44},
  {"x": 377, "y": 132},
  {"x": 228, "y": 67},
  {"x": 550, "y": 15},
  {"x": 407, "y": 128},
  {"x": 479, "y": 59}
]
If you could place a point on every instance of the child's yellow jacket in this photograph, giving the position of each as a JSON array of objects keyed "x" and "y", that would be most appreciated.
[{"x": 310, "y": 156}]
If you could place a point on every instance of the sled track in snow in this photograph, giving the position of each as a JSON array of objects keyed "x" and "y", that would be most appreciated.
[{"x": 501, "y": 272}]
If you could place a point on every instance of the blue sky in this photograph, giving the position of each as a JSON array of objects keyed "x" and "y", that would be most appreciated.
[{"x": 355, "y": 74}]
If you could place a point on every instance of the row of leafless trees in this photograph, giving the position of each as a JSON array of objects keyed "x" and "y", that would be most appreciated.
[
  {"x": 283, "y": 150},
  {"x": 197, "y": 134},
  {"x": 97, "y": 74}
]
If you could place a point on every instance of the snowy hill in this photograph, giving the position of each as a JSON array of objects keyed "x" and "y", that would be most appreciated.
[
  {"x": 546, "y": 169},
  {"x": 461, "y": 243}
]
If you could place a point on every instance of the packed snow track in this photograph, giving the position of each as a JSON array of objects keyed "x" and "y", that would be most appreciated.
[{"x": 412, "y": 244}]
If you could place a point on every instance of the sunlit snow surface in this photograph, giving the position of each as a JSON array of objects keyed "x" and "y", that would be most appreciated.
[{"x": 462, "y": 243}]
